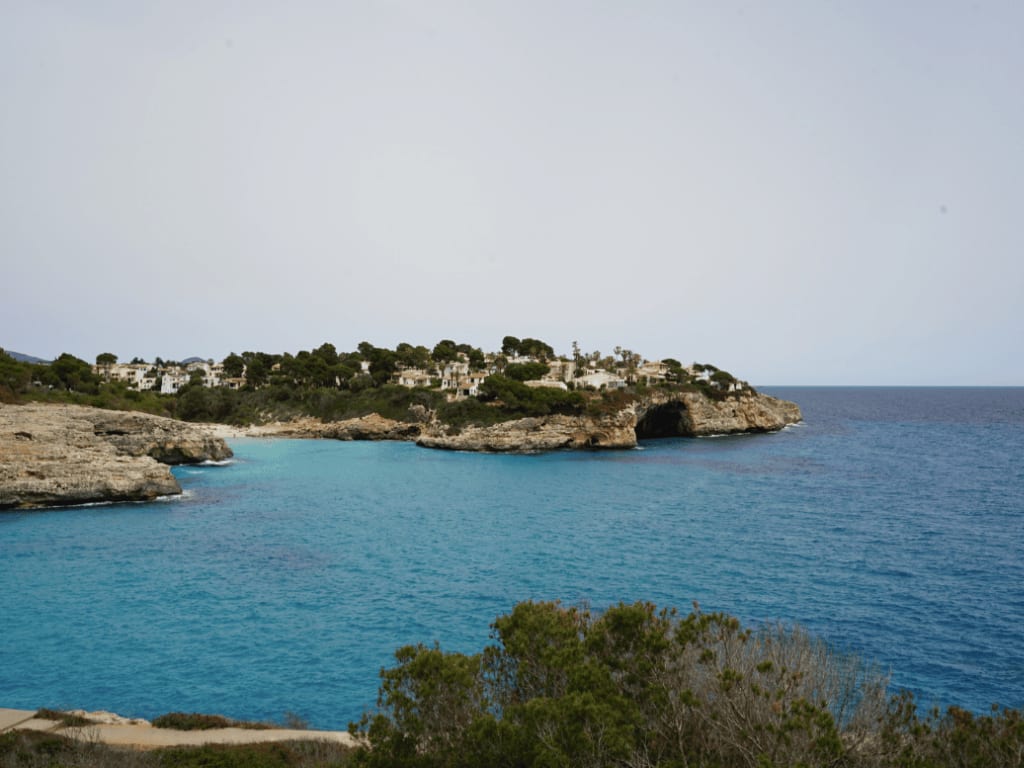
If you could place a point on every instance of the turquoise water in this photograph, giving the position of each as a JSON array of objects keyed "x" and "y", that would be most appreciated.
[{"x": 892, "y": 523}]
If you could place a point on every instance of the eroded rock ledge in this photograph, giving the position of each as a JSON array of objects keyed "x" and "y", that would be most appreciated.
[
  {"x": 660, "y": 414},
  {"x": 57, "y": 455}
]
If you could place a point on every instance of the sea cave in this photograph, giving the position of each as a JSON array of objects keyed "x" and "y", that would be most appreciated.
[{"x": 665, "y": 420}]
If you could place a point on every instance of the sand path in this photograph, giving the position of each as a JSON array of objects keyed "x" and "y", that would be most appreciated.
[{"x": 114, "y": 730}]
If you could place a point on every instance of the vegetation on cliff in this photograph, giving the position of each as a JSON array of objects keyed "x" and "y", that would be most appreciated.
[{"x": 457, "y": 383}]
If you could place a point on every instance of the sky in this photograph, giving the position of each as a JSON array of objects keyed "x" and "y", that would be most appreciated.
[{"x": 819, "y": 192}]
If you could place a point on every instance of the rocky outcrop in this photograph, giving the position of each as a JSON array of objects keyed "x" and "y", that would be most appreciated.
[
  {"x": 662, "y": 414},
  {"x": 658, "y": 414},
  {"x": 691, "y": 414},
  {"x": 166, "y": 440},
  {"x": 371, "y": 427},
  {"x": 57, "y": 455},
  {"x": 532, "y": 435}
]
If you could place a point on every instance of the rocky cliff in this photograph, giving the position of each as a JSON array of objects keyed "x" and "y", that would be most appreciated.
[
  {"x": 371, "y": 427},
  {"x": 661, "y": 414},
  {"x": 532, "y": 435},
  {"x": 55, "y": 455},
  {"x": 691, "y": 414},
  {"x": 658, "y": 414}
]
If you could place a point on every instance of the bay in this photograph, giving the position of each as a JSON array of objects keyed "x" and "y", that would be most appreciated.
[{"x": 891, "y": 523}]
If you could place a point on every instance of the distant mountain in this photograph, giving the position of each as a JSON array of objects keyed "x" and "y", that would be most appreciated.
[
  {"x": 27, "y": 358},
  {"x": 188, "y": 360}
]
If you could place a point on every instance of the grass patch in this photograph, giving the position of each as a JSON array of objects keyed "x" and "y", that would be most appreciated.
[
  {"x": 32, "y": 749},
  {"x": 64, "y": 718},
  {"x": 194, "y": 721},
  {"x": 282, "y": 754}
]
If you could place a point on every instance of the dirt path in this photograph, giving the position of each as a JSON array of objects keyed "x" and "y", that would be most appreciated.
[{"x": 115, "y": 730}]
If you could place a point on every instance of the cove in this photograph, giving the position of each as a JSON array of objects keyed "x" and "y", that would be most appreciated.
[{"x": 890, "y": 524}]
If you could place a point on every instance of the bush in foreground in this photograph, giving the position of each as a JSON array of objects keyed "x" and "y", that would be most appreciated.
[{"x": 638, "y": 686}]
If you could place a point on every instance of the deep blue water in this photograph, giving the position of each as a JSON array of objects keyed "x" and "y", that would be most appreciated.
[{"x": 891, "y": 522}]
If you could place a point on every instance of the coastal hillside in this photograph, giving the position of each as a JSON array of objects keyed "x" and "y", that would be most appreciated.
[{"x": 524, "y": 396}]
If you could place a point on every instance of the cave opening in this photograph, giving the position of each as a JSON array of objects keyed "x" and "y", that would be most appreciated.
[{"x": 668, "y": 420}]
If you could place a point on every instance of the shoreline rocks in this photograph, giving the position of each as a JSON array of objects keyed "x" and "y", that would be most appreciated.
[
  {"x": 661, "y": 414},
  {"x": 657, "y": 414},
  {"x": 60, "y": 455},
  {"x": 536, "y": 434}
]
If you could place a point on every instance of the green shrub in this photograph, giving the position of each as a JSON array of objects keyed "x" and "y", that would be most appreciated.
[
  {"x": 193, "y": 721},
  {"x": 32, "y": 749},
  {"x": 638, "y": 686},
  {"x": 64, "y": 718},
  {"x": 632, "y": 686}
]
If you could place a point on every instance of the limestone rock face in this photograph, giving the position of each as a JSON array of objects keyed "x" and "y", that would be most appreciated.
[
  {"x": 532, "y": 435},
  {"x": 661, "y": 414},
  {"x": 166, "y": 440},
  {"x": 371, "y": 427},
  {"x": 56, "y": 455},
  {"x": 695, "y": 415}
]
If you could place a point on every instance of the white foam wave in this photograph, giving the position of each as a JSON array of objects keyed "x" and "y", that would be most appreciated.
[{"x": 186, "y": 494}]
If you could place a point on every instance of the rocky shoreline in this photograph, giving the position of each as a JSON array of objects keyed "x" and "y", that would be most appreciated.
[
  {"x": 661, "y": 414},
  {"x": 59, "y": 455}
]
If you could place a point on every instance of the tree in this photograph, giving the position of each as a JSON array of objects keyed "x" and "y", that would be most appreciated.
[
  {"x": 412, "y": 357},
  {"x": 510, "y": 346},
  {"x": 475, "y": 357},
  {"x": 256, "y": 373},
  {"x": 106, "y": 359},
  {"x": 327, "y": 353},
  {"x": 70, "y": 373},
  {"x": 526, "y": 371},
  {"x": 234, "y": 366},
  {"x": 723, "y": 380},
  {"x": 431, "y": 699},
  {"x": 383, "y": 362},
  {"x": 15, "y": 377},
  {"x": 536, "y": 348},
  {"x": 445, "y": 351}
]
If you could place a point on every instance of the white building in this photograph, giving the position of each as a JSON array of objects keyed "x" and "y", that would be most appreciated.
[
  {"x": 413, "y": 377},
  {"x": 551, "y": 383},
  {"x": 453, "y": 373},
  {"x": 172, "y": 381},
  {"x": 601, "y": 380}
]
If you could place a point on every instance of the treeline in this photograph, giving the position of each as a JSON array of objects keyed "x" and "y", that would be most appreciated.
[
  {"x": 322, "y": 383},
  {"x": 69, "y": 379},
  {"x": 331, "y": 385},
  {"x": 636, "y": 686}
]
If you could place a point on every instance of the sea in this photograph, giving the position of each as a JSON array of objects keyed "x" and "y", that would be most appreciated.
[{"x": 890, "y": 523}]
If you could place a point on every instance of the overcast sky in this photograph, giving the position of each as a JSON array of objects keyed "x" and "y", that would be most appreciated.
[{"x": 799, "y": 192}]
